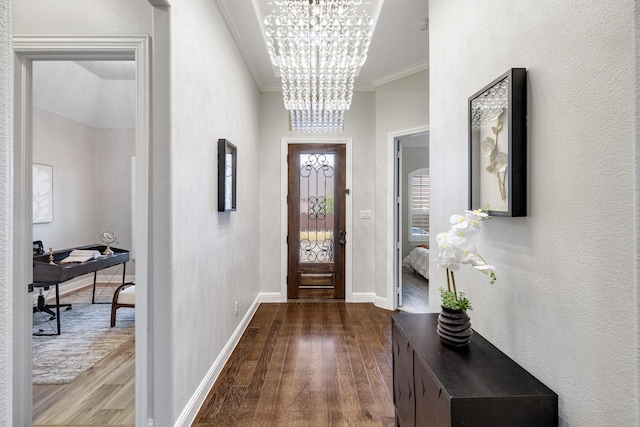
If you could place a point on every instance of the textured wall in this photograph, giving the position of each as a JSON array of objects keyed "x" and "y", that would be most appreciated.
[
  {"x": 213, "y": 256},
  {"x": 400, "y": 105},
  {"x": 6, "y": 217},
  {"x": 75, "y": 17},
  {"x": 562, "y": 306}
]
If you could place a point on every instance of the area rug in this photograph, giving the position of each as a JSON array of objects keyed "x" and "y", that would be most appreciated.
[{"x": 85, "y": 339}]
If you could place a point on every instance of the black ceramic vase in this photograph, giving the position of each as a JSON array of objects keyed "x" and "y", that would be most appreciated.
[{"x": 454, "y": 327}]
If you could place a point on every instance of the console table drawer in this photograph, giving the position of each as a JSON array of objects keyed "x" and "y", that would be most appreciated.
[
  {"x": 433, "y": 406},
  {"x": 403, "y": 387}
]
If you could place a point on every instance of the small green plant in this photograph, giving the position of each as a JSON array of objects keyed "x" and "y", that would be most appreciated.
[{"x": 449, "y": 300}]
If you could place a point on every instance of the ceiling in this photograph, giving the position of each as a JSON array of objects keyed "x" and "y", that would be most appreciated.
[
  {"x": 101, "y": 93},
  {"x": 398, "y": 47}
]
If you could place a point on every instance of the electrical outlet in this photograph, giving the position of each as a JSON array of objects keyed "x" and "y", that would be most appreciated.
[{"x": 237, "y": 308}]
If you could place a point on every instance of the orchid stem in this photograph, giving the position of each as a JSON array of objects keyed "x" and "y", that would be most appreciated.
[
  {"x": 453, "y": 282},
  {"x": 448, "y": 283}
]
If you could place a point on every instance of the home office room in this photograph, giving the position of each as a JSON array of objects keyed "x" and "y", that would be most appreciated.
[{"x": 83, "y": 132}]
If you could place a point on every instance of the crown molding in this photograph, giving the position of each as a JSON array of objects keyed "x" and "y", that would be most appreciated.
[
  {"x": 233, "y": 27},
  {"x": 160, "y": 3},
  {"x": 412, "y": 69}
]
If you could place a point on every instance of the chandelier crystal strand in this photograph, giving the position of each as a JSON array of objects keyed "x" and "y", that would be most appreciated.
[{"x": 318, "y": 46}]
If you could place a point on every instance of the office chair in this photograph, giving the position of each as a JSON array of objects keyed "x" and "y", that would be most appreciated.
[{"x": 41, "y": 305}]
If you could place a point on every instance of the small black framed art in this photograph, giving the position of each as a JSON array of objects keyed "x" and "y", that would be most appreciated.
[{"x": 227, "y": 164}]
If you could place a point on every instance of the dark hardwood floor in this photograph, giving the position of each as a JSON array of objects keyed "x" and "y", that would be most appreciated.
[
  {"x": 307, "y": 364},
  {"x": 415, "y": 292}
]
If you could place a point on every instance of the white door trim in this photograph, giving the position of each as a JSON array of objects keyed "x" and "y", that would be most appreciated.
[
  {"x": 392, "y": 300},
  {"x": 30, "y": 48},
  {"x": 284, "y": 149}
]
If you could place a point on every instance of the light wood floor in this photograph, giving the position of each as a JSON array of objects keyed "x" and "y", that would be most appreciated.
[
  {"x": 103, "y": 395},
  {"x": 307, "y": 364}
]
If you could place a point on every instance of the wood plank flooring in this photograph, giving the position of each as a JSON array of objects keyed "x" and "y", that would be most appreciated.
[
  {"x": 307, "y": 363},
  {"x": 415, "y": 292},
  {"x": 103, "y": 395},
  {"x": 297, "y": 364}
]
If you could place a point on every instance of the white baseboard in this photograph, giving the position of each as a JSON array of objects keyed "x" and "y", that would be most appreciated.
[
  {"x": 382, "y": 303},
  {"x": 370, "y": 297},
  {"x": 363, "y": 297},
  {"x": 190, "y": 411},
  {"x": 271, "y": 297}
]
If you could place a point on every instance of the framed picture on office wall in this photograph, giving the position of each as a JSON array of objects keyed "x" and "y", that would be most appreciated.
[
  {"x": 498, "y": 146},
  {"x": 227, "y": 163},
  {"x": 42, "y": 194}
]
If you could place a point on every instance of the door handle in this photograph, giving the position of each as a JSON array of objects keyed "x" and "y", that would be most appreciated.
[{"x": 342, "y": 233}]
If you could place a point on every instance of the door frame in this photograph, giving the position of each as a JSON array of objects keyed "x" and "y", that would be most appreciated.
[
  {"x": 26, "y": 50},
  {"x": 284, "y": 150},
  {"x": 394, "y": 223}
]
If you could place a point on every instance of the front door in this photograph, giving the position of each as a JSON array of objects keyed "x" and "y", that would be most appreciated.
[{"x": 316, "y": 212}]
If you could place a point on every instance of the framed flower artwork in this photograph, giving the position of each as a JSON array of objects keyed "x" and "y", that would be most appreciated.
[{"x": 498, "y": 146}]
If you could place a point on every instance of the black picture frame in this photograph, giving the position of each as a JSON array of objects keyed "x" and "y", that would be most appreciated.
[
  {"x": 498, "y": 122},
  {"x": 227, "y": 164}
]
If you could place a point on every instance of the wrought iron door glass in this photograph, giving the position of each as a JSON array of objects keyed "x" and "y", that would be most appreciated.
[{"x": 317, "y": 208}]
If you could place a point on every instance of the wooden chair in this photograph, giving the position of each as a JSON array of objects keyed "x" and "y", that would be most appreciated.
[{"x": 124, "y": 296}]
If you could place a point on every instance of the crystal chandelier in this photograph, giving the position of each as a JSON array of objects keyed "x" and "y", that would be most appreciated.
[{"x": 318, "y": 46}]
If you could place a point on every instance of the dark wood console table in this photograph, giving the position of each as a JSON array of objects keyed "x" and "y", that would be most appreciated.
[
  {"x": 46, "y": 275},
  {"x": 434, "y": 385}
]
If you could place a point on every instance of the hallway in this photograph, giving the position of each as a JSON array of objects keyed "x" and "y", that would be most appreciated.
[{"x": 301, "y": 363}]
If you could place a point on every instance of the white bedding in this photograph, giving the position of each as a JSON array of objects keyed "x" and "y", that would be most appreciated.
[{"x": 418, "y": 260}]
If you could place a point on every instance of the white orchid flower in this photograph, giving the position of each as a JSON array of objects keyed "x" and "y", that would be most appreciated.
[{"x": 460, "y": 222}]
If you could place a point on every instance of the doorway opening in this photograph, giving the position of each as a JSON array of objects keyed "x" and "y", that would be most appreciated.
[
  {"x": 31, "y": 52},
  {"x": 83, "y": 128},
  {"x": 411, "y": 221}
]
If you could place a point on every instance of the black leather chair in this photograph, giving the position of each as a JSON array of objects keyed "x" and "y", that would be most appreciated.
[{"x": 42, "y": 306}]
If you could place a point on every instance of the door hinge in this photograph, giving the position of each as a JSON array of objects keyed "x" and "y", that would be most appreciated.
[
  {"x": 287, "y": 158},
  {"x": 287, "y": 198},
  {"x": 347, "y": 191},
  {"x": 30, "y": 288},
  {"x": 287, "y": 280},
  {"x": 287, "y": 239}
]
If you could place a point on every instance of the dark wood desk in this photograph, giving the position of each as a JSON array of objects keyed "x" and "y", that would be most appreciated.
[
  {"x": 46, "y": 275},
  {"x": 480, "y": 386}
]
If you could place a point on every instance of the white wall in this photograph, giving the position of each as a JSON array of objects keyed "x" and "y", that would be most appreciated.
[
  {"x": 70, "y": 148},
  {"x": 563, "y": 304},
  {"x": 74, "y": 17},
  {"x": 401, "y": 104},
  {"x": 212, "y": 256},
  {"x": 358, "y": 125},
  {"x": 91, "y": 182},
  {"x": 11, "y": 343}
]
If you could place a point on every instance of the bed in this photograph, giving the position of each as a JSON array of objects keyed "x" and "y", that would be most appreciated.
[{"x": 418, "y": 261}]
